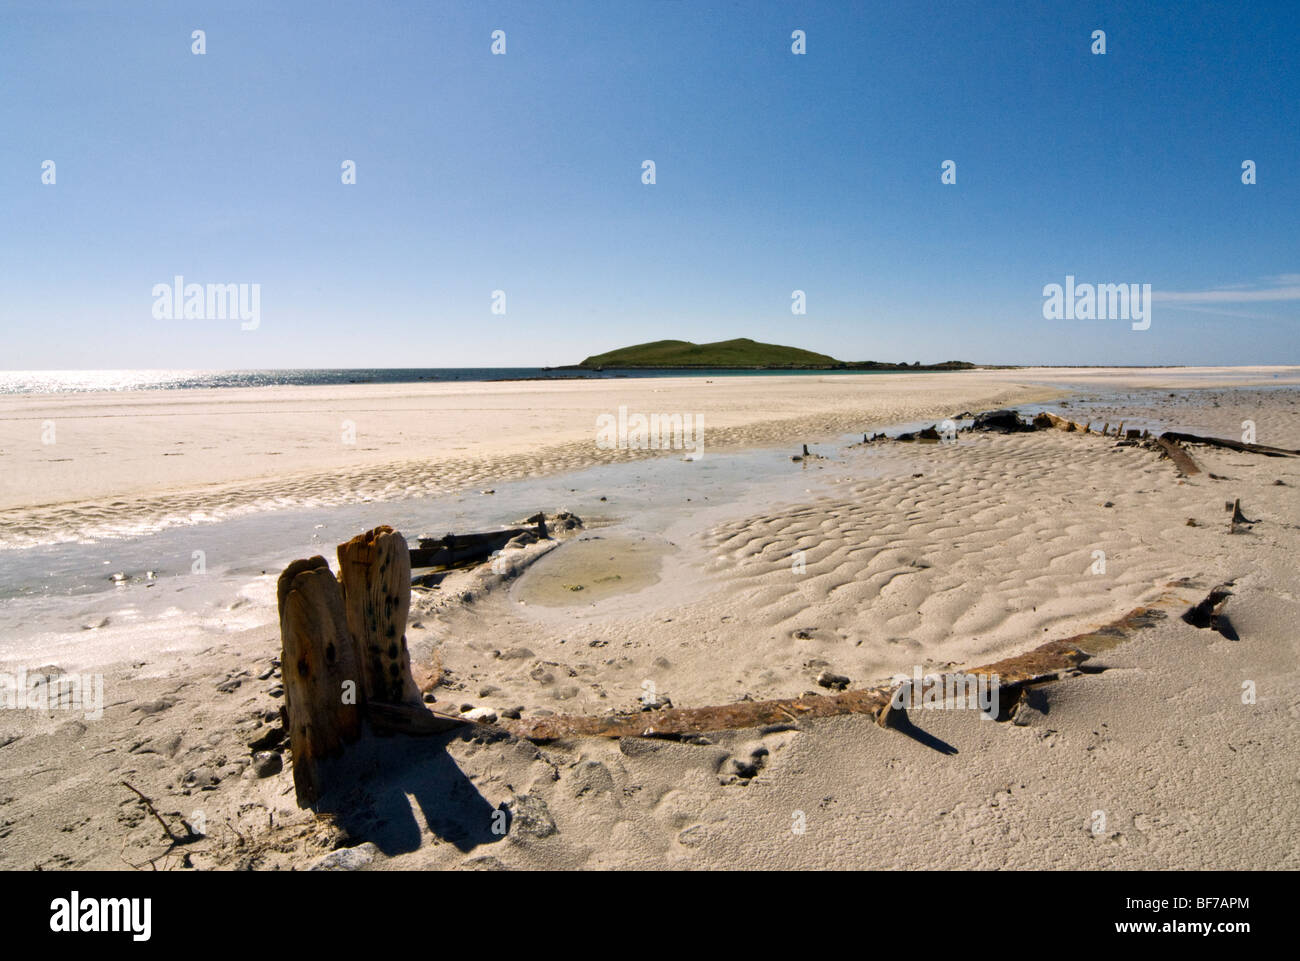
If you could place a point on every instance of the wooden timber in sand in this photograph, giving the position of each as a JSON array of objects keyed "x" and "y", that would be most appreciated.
[
  {"x": 375, "y": 574},
  {"x": 319, "y": 661},
  {"x": 463, "y": 550},
  {"x": 1047, "y": 419},
  {"x": 1044, "y": 663},
  {"x": 1170, "y": 443},
  {"x": 1182, "y": 460},
  {"x": 1230, "y": 444},
  {"x": 344, "y": 656}
]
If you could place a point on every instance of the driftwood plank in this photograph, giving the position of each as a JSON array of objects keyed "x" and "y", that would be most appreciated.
[
  {"x": 320, "y": 671},
  {"x": 375, "y": 571}
]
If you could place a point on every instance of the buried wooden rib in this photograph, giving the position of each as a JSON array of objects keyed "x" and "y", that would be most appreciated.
[
  {"x": 1182, "y": 460},
  {"x": 1230, "y": 444},
  {"x": 698, "y": 720},
  {"x": 1046, "y": 662}
]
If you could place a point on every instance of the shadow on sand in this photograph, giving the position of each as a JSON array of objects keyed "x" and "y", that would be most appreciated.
[
  {"x": 901, "y": 725},
  {"x": 373, "y": 799}
]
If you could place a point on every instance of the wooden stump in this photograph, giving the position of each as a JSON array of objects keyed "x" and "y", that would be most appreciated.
[
  {"x": 375, "y": 571},
  {"x": 322, "y": 675}
]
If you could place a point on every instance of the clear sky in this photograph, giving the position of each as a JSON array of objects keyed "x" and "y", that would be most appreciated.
[{"x": 523, "y": 172}]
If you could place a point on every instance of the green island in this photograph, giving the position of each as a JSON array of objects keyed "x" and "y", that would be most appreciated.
[{"x": 741, "y": 354}]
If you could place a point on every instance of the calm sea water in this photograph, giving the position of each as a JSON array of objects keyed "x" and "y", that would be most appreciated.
[{"x": 80, "y": 381}]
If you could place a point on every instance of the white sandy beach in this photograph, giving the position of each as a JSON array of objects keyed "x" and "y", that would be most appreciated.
[
  {"x": 929, "y": 556},
  {"x": 122, "y": 463}
]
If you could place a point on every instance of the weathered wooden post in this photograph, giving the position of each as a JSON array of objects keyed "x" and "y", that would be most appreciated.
[
  {"x": 345, "y": 658},
  {"x": 321, "y": 673},
  {"x": 375, "y": 572}
]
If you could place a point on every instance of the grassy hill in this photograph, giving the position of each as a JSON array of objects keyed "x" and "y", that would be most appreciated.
[{"x": 741, "y": 352}]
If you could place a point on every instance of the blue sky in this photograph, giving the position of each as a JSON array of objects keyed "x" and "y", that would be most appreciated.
[{"x": 522, "y": 172}]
